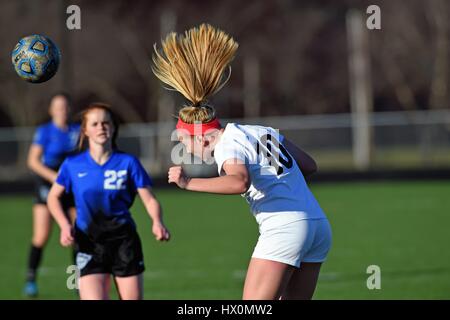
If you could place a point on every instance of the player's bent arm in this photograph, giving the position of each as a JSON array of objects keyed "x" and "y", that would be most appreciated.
[
  {"x": 154, "y": 209},
  {"x": 35, "y": 164},
  {"x": 236, "y": 180},
  {"x": 304, "y": 161},
  {"x": 56, "y": 210},
  {"x": 55, "y": 207}
]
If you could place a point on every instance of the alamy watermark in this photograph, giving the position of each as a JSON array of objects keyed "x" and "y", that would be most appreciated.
[
  {"x": 269, "y": 148},
  {"x": 73, "y": 21},
  {"x": 374, "y": 280},
  {"x": 373, "y": 22},
  {"x": 73, "y": 280}
]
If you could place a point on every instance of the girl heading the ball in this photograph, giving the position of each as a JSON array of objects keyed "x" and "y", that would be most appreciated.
[
  {"x": 104, "y": 182},
  {"x": 255, "y": 161}
]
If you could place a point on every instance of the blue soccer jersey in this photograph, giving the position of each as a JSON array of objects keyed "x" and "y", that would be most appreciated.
[
  {"x": 56, "y": 143},
  {"x": 103, "y": 193}
]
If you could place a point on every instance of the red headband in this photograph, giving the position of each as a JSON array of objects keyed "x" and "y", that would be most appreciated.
[{"x": 198, "y": 128}]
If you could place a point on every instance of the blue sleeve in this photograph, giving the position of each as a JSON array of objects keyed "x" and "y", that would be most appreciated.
[
  {"x": 139, "y": 176},
  {"x": 63, "y": 178},
  {"x": 39, "y": 136}
]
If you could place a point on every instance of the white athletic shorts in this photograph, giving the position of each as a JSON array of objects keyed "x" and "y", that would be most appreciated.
[{"x": 289, "y": 238}]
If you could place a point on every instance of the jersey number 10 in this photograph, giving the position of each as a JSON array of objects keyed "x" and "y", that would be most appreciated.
[
  {"x": 266, "y": 142},
  {"x": 115, "y": 180}
]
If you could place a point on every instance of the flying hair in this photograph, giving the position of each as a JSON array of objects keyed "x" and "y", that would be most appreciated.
[{"x": 194, "y": 64}]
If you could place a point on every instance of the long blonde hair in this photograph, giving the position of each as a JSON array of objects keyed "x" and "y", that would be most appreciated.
[{"x": 195, "y": 65}]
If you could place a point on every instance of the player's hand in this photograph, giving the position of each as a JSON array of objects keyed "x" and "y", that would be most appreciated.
[
  {"x": 66, "y": 237},
  {"x": 160, "y": 231},
  {"x": 176, "y": 175}
]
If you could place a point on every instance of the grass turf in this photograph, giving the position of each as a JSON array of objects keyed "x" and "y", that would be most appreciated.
[{"x": 400, "y": 226}]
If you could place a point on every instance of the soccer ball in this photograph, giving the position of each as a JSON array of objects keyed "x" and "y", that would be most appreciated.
[{"x": 35, "y": 58}]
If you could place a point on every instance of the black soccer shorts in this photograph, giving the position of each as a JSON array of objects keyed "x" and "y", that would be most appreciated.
[
  {"x": 41, "y": 190},
  {"x": 120, "y": 255}
]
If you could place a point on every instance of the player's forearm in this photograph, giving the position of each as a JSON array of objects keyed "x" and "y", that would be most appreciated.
[
  {"x": 229, "y": 184},
  {"x": 56, "y": 210},
  {"x": 154, "y": 210},
  {"x": 42, "y": 171}
]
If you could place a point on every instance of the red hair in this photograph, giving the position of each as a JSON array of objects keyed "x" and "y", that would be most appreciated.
[{"x": 97, "y": 106}]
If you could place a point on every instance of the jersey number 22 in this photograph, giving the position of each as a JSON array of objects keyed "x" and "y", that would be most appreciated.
[{"x": 115, "y": 180}]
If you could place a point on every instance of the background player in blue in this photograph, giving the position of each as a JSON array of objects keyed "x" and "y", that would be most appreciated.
[
  {"x": 104, "y": 182},
  {"x": 52, "y": 143}
]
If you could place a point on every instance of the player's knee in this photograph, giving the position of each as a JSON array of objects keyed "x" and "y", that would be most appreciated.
[{"x": 39, "y": 240}]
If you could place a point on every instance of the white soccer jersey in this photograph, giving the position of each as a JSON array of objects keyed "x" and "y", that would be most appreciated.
[{"x": 277, "y": 184}]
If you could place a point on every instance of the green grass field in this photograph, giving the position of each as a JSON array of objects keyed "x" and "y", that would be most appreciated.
[{"x": 400, "y": 226}]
